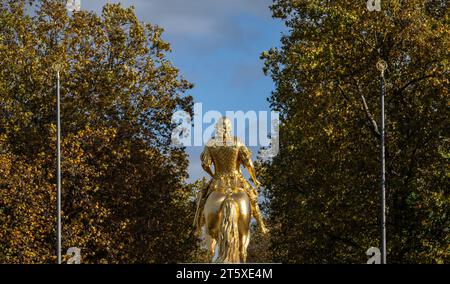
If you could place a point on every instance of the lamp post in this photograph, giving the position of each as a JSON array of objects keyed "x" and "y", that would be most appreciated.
[
  {"x": 382, "y": 66},
  {"x": 71, "y": 6},
  {"x": 57, "y": 68}
]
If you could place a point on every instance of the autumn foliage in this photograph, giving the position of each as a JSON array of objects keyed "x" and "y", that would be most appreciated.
[
  {"x": 124, "y": 191},
  {"x": 324, "y": 186},
  {"x": 123, "y": 184}
]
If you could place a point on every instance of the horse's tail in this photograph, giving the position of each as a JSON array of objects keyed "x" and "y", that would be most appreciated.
[{"x": 229, "y": 233}]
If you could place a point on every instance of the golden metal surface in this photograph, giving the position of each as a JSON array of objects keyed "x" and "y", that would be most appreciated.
[{"x": 227, "y": 203}]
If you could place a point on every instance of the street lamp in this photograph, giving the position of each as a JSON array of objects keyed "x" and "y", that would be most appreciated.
[
  {"x": 71, "y": 6},
  {"x": 57, "y": 68},
  {"x": 382, "y": 66}
]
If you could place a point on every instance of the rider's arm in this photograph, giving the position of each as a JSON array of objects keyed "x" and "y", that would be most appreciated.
[
  {"x": 206, "y": 159},
  {"x": 245, "y": 156},
  {"x": 251, "y": 170}
]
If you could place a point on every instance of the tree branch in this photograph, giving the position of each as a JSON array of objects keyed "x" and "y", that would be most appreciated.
[
  {"x": 343, "y": 94},
  {"x": 413, "y": 81},
  {"x": 369, "y": 115}
]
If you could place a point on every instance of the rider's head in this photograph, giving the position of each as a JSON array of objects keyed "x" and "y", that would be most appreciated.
[{"x": 223, "y": 127}]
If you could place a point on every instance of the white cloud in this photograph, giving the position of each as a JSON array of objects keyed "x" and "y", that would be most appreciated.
[
  {"x": 193, "y": 18},
  {"x": 185, "y": 25}
]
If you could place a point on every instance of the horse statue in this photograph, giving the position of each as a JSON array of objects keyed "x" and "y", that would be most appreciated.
[{"x": 225, "y": 206}]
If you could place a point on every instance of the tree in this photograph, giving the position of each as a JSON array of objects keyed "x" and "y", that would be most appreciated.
[
  {"x": 123, "y": 184},
  {"x": 323, "y": 186},
  {"x": 259, "y": 247}
]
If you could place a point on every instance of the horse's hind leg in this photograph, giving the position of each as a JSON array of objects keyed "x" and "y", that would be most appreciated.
[
  {"x": 211, "y": 243},
  {"x": 244, "y": 224},
  {"x": 244, "y": 241},
  {"x": 212, "y": 218}
]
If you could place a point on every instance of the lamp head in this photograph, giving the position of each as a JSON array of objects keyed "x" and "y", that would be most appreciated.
[
  {"x": 381, "y": 65},
  {"x": 57, "y": 66}
]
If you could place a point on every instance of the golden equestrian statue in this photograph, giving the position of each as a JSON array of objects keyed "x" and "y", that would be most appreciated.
[{"x": 228, "y": 202}]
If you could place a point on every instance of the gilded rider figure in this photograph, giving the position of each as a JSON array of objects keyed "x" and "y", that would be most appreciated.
[{"x": 227, "y": 174}]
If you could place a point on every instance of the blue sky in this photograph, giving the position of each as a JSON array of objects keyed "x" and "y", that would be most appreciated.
[{"x": 216, "y": 44}]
